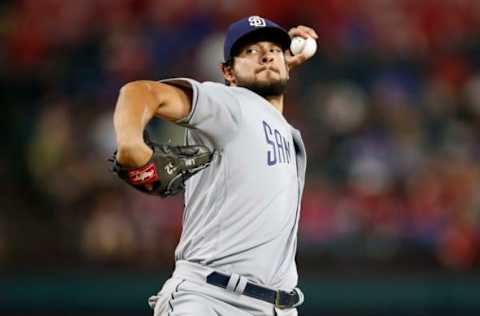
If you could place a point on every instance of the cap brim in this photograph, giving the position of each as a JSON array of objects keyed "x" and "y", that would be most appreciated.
[{"x": 270, "y": 34}]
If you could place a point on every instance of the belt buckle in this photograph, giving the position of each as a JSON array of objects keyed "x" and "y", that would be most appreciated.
[{"x": 277, "y": 300}]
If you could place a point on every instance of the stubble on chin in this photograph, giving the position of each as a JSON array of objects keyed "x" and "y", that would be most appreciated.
[{"x": 264, "y": 88}]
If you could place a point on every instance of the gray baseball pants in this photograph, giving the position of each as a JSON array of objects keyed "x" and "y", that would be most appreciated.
[{"x": 187, "y": 293}]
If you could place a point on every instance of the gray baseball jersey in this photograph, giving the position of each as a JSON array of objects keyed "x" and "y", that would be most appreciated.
[{"x": 241, "y": 213}]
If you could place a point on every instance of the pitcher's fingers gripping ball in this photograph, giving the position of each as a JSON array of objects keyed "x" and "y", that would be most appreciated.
[
  {"x": 167, "y": 170},
  {"x": 303, "y": 45}
]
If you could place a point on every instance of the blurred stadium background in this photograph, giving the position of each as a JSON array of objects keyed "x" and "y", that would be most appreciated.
[{"x": 389, "y": 109}]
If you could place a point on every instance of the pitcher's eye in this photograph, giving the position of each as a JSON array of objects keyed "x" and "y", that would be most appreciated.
[
  {"x": 275, "y": 50},
  {"x": 251, "y": 50}
]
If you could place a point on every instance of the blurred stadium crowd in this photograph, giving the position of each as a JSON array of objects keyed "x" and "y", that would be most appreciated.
[{"x": 389, "y": 109}]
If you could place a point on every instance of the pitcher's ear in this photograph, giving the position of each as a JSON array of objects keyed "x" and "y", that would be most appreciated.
[{"x": 228, "y": 75}]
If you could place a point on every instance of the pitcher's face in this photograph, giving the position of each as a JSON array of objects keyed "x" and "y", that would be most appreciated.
[{"x": 260, "y": 67}]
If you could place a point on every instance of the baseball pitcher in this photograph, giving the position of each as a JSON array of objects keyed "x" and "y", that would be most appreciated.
[{"x": 242, "y": 169}]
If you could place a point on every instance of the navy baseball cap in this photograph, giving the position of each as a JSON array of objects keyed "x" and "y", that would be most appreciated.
[{"x": 253, "y": 28}]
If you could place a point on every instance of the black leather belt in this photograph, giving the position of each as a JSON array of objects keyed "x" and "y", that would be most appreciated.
[{"x": 280, "y": 299}]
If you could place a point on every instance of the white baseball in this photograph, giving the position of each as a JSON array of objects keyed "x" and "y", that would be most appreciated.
[{"x": 307, "y": 46}]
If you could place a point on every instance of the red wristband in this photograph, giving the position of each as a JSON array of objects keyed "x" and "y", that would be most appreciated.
[{"x": 143, "y": 175}]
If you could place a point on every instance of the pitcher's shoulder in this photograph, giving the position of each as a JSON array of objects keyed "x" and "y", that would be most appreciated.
[
  {"x": 221, "y": 86},
  {"x": 213, "y": 84}
]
